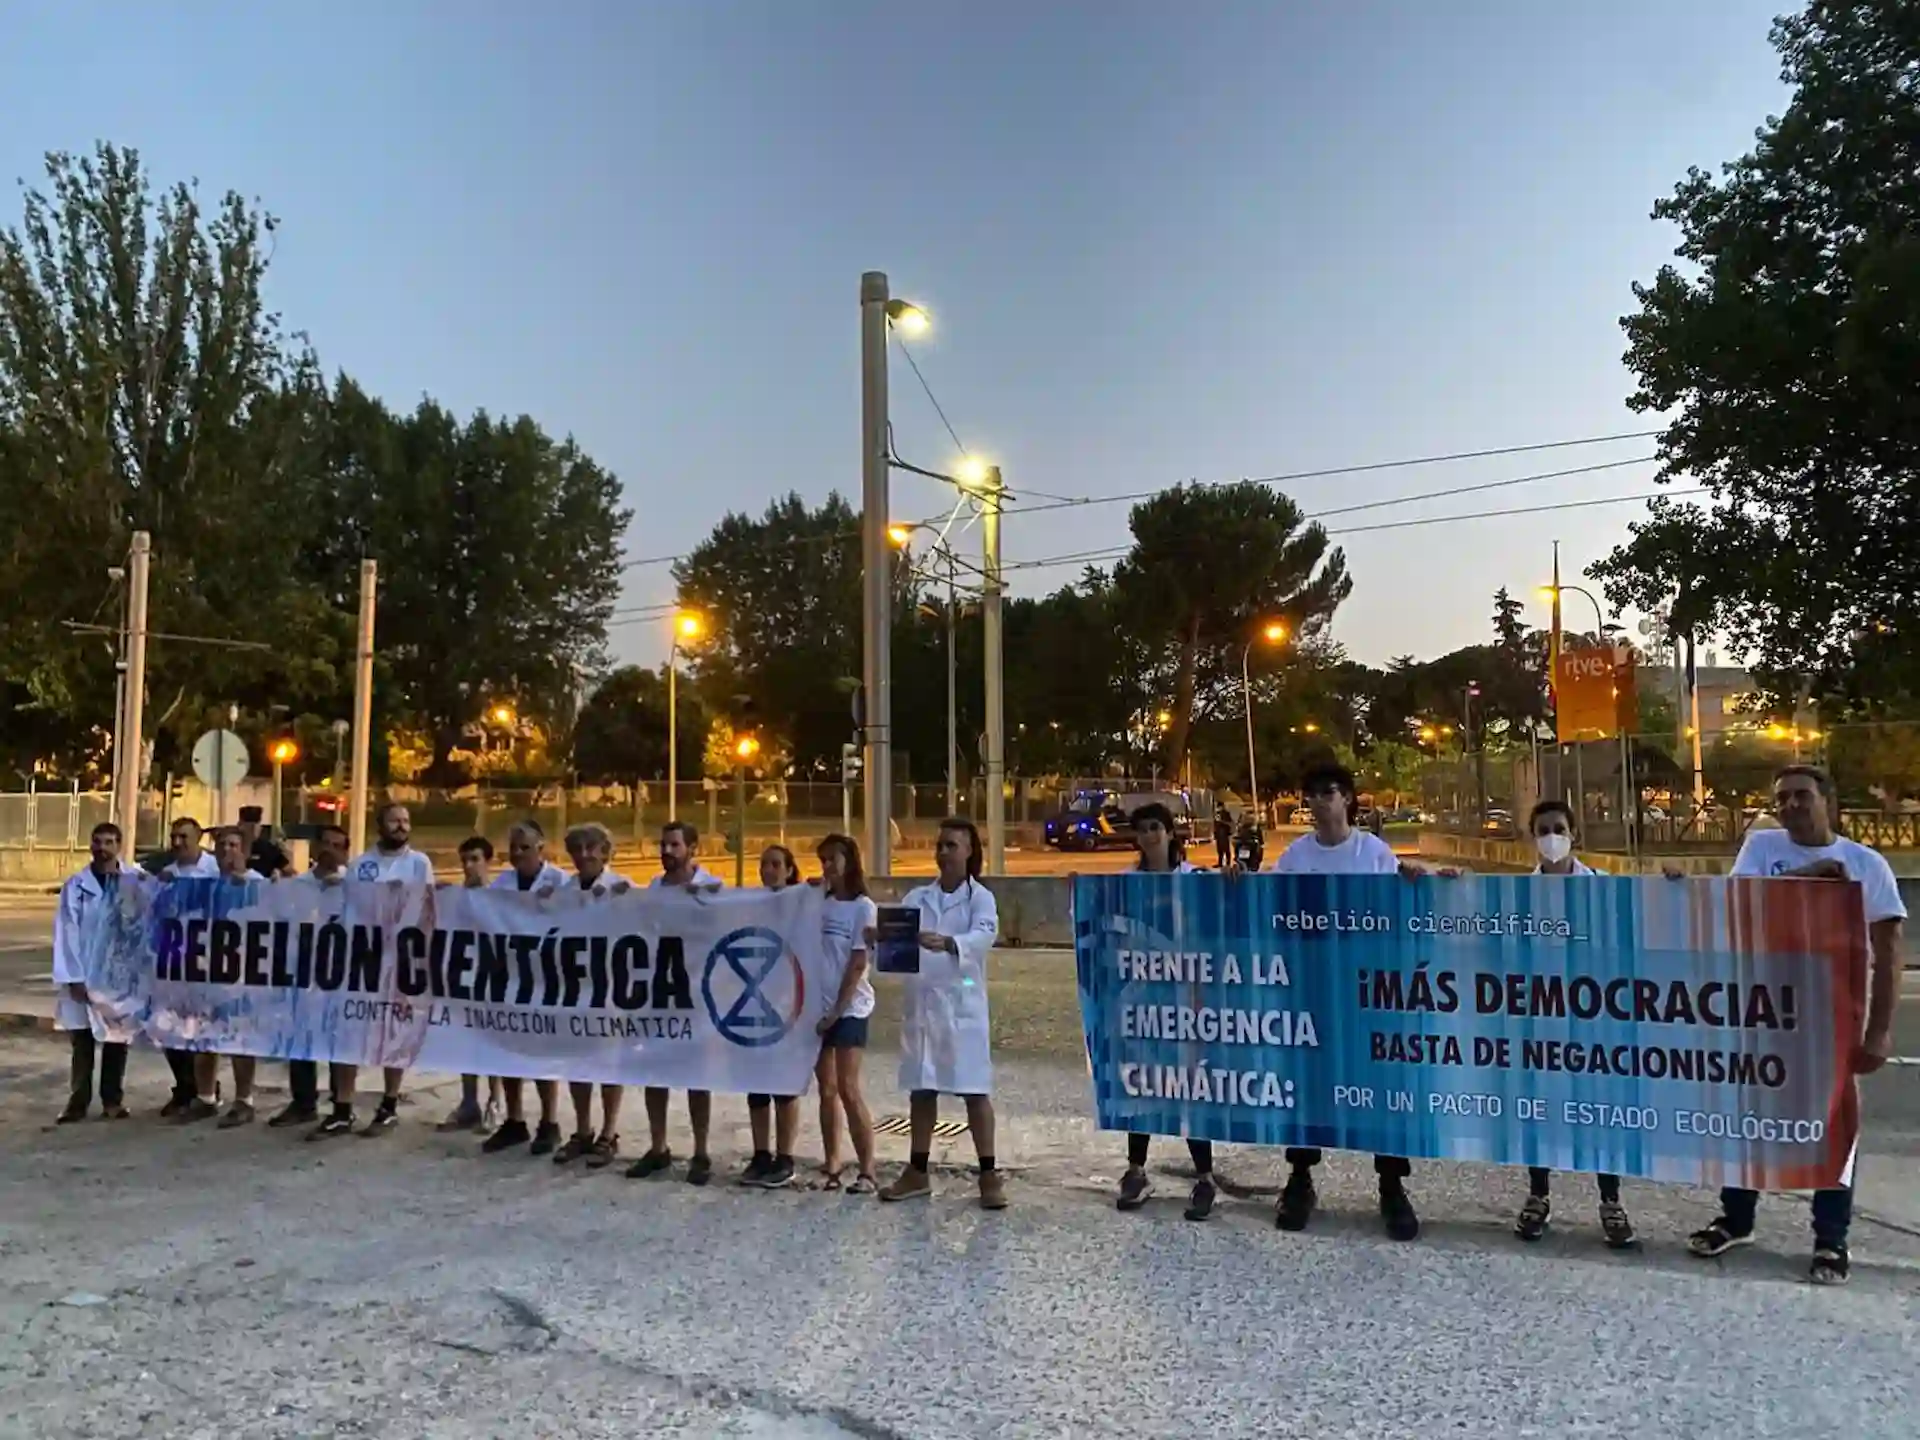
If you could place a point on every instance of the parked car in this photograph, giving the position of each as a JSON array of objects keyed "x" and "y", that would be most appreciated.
[
  {"x": 1103, "y": 819},
  {"x": 1500, "y": 824},
  {"x": 1300, "y": 816}
]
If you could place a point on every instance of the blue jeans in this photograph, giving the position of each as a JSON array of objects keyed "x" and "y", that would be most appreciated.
[{"x": 1832, "y": 1214}]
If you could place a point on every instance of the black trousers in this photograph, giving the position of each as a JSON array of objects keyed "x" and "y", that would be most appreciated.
[
  {"x": 1200, "y": 1151},
  {"x": 113, "y": 1071},
  {"x": 1387, "y": 1167},
  {"x": 180, "y": 1062},
  {"x": 303, "y": 1082}
]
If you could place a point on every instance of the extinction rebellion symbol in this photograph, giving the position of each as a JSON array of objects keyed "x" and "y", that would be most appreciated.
[{"x": 750, "y": 979}]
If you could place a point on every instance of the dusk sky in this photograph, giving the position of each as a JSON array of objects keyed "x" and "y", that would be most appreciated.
[{"x": 1160, "y": 241}]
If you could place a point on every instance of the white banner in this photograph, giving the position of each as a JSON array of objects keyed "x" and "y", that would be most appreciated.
[{"x": 715, "y": 991}]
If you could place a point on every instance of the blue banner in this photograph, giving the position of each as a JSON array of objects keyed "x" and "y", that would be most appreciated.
[{"x": 1698, "y": 1031}]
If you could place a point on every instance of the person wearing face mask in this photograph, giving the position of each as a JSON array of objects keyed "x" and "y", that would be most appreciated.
[
  {"x": 1161, "y": 853},
  {"x": 1551, "y": 824}
]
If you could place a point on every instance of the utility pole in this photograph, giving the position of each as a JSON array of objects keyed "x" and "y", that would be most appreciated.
[
  {"x": 996, "y": 756},
  {"x": 877, "y": 558},
  {"x": 953, "y": 701},
  {"x": 362, "y": 704},
  {"x": 128, "y": 765}
]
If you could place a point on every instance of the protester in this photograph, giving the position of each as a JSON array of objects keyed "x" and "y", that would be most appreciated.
[
  {"x": 1551, "y": 825},
  {"x": 328, "y": 870},
  {"x": 679, "y": 844},
  {"x": 1335, "y": 847},
  {"x": 94, "y": 888},
  {"x": 230, "y": 853},
  {"x": 393, "y": 860},
  {"x": 528, "y": 872},
  {"x": 1807, "y": 846},
  {"x": 590, "y": 847},
  {"x": 1161, "y": 852},
  {"x": 847, "y": 921},
  {"x": 265, "y": 857},
  {"x": 1222, "y": 836},
  {"x": 476, "y": 855},
  {"x": 945, "y": 1044},
  {"x": 186, "y": 861},
  {"x": 771, "y": 1168}
]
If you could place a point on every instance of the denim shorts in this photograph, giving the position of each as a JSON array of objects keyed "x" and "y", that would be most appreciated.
[{"x": 849, "y": 1032}]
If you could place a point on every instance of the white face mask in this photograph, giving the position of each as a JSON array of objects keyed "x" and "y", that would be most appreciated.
[{"x": 1553, "y": 848}]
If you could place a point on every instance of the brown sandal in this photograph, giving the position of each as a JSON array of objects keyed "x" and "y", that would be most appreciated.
[{"x": 830, "y": 1179}]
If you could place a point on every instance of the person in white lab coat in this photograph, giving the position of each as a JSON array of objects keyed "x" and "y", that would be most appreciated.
[
  {"x": 945, "y": 1044},
  {"x": 83, "y": 896}
]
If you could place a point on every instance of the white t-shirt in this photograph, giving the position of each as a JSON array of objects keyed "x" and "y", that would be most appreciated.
[
  {"x": 700, "y": 876},
  {"x": 204, "y": 868},
  {"x": 405, "y": 863},
  {"x": 550, "y": 874},
  {"x": 314, "y": 880},
  {"x": 1578, "y": 869},
  {"x": 843, "y": 930},
  {"x": 605, "y": 885},
  {"x": 1361, "y": 853},
  {"x": 1773, "y": 852}
]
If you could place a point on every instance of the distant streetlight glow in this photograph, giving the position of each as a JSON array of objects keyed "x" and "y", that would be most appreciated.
[
  {"x": 899, "y": 534},
  {"x": 502, "y": 715},
  {"x": 908, "y": 318},
  {"x": 1311, "y": 727},
  {"x": 284, "y": 752},
  {"x": 687, "y": 626},
  {"x": 746, "y": 747},
  {"x": 1273, "y": 632},
  {"x": 1165, "y": 717},
  {"x": 971, "y": 472}
]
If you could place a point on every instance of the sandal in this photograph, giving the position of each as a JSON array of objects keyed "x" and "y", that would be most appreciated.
[
  {"x": 1716, "y": 1239},
  {"x": 1830, "y": 1266},
  {"x": 830, "y": 1179},
  {"x": 601, "y": 1154},
  {"x": 575, "y": 1147},
  {"x": 863, "y": 1184}
]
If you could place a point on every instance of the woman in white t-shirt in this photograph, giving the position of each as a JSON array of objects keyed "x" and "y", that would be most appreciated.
[
  {"x": 847, "y": 927},
  {"x": 1551, "y": 825}
]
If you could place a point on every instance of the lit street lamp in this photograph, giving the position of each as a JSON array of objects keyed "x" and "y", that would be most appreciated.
[
  {"x": 1274, "y": 633},
  {"x": 686, "y": 626},
  {"x": 283, "y": 753}
]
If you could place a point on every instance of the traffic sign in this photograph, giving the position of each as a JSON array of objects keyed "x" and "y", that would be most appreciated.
[{"x": 220, "y": 759}]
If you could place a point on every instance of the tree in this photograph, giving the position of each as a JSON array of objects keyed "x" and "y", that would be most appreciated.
[
  {"x": 499, "y": 559},
  {"x": 1788, "y": 352},
  {"x": 781, "y": 598},
  {"x": 622, "y": 732},
  {"x": 145, "y": 386},
  {"x": 1208, "y": 565}
]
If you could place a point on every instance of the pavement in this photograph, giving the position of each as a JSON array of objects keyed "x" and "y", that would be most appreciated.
[{"x": 159, "y": 1282}]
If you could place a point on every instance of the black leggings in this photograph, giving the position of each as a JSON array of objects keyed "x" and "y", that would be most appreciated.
[
  {"x": 1387, "y": 1167},
  {"x": 1200, "y": 1150},
  {"x": 1540, "y": 1182}
]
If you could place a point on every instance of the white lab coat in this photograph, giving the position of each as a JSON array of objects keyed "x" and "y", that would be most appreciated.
[
  {"x": 945, "y": 1043},
  {"x": 78, "y": 897}
]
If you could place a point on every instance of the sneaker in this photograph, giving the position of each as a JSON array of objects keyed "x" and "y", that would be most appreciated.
[
  {"x": 909, "y": 1184},
  {"x": 464, "y": 1117},
  {"x": 295, "y": 1114},
  {"x": 1396, "y": 1208},
  {"x": 576, "y": 1147},
  {"x": 196, "y": 1110},
  {"x": 239, "y": 1113},
  {"x": 993, "y": 1190},
  {"x": 546, "y": 1138},
  {"x": 1534, "y": 1215},
  {"x": 757, "y": 1168},
  {"x": 779, "y": 1174},
  {"x": 337, "y": 1123},
  {"x": 1200, "y": 1200},
  {"x": 1830, "y": 1265},
  {"x": 73, "y": 1114},
  {"x": 1135, "y": 1187},
  {"x": 1297, "y": 1199},
  {"x": 510, "y": 1134},
  {"x": 385, "y": 1120},
  {"x": 654, "y": 1162},
  {"x": 699, "y": 1170},
  {"x": 1616, "y": 1228},
  {"x": 1717, "y": 1238},
  {"x": 114, "y": 1112},
  {"x": 174, "y": 1106}
]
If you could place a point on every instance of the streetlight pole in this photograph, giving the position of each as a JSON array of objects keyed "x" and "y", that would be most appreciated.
[
  {"x": 1246, "y": 692},
  {"x": 953, "y": 700},
  {"x": 996, "y": 756},
  {"x": 687, "y": 626},
  {"x": 877, "y": 617},
  {"x": 131, "y": 752}
]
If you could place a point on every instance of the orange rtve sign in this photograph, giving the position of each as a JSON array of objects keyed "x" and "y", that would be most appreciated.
[{"x": 1585, "y": 703}]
